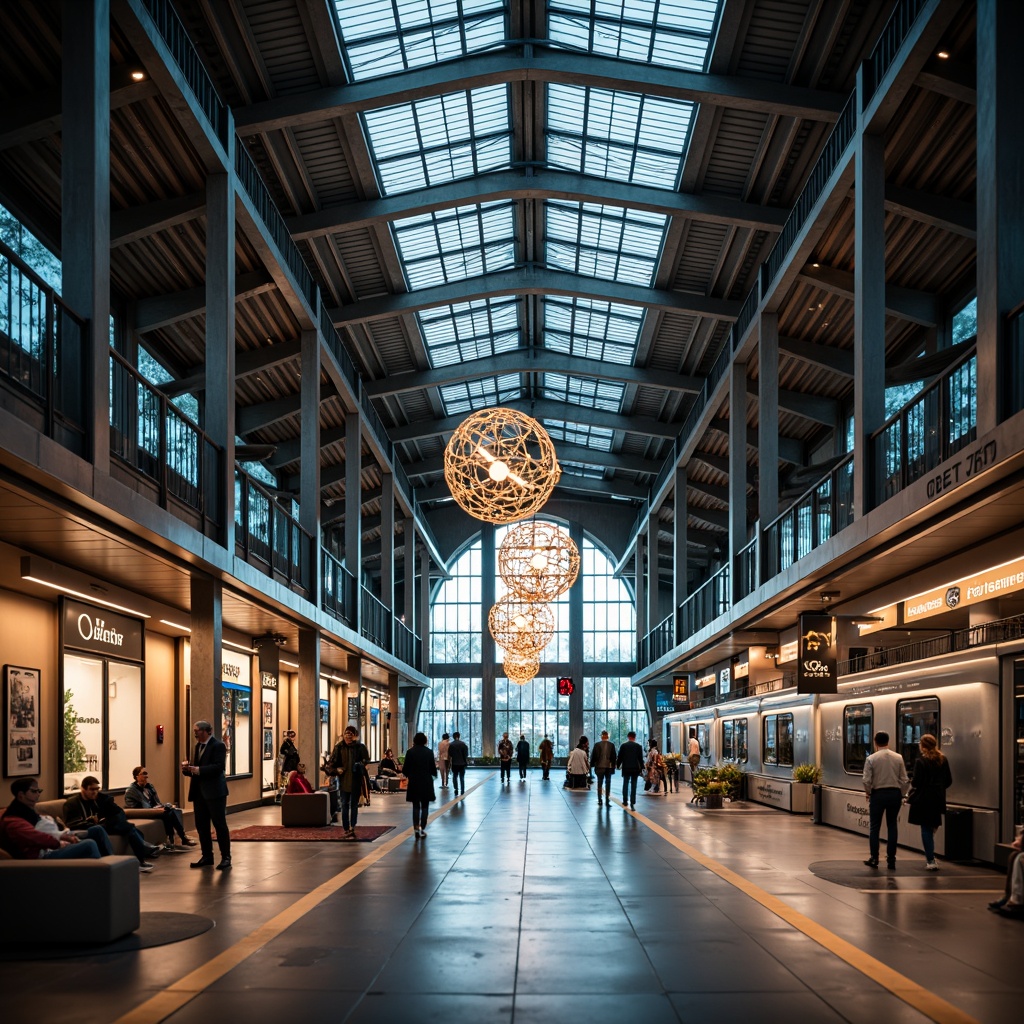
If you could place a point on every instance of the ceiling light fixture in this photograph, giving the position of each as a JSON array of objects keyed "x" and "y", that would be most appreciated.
[
  {"x": 238, "y": 647},
  {"x": 943, "y": 55},
  {"x": 828, "y": 597},
  {"x": 32, "y": 569},
  {"x": 521, "y": 628},
  {"x": 138, "y": 76},
  {"x": 175, "y": 625},
  {"x": 521, "y": 670},
  {"x": 538, "y": 561}
]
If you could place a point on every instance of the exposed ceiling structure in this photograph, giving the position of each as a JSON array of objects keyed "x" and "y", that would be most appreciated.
[{"x": 556, "y": 205}]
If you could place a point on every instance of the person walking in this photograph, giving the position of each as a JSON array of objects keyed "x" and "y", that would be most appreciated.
[
  {"x": 458, "y": 753},
  {"x": 693, "y": 755},
  {"x": 631, "y": 763},
  {"x": 208, "y": 791},
  {"x": 927, "y": 796},
  {"x": 885, "y": 782},
  {"x": 443, "y": 761},
  {"x": 419, "y": 768},
  {"x": 655, "y": 770},
  {"x": 523, "y": 756},
  {"x": 547, "y": 755},
  {"x": 577, "y": 768},
  {"x": 349, "y": 758},
  {"x": 603, "y": 763},
  {"x": 505, "y": 751}
]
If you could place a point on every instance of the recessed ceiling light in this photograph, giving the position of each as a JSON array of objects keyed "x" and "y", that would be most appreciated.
[
  {"x": 815, "y": 265},
  {"x": 943, "y": 55},
  {"x": 138, "y": 76}
]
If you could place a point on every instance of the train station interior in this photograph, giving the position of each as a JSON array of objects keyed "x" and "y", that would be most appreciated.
[{"x": 262, "y": 261}]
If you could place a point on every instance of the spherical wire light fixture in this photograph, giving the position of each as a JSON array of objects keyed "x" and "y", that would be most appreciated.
[
  {"x": 538, "y": 561},
  {"x": 500, "y": 465},
  {"x": 521, "y": 628},
  {"x": 521, "y": 670}
]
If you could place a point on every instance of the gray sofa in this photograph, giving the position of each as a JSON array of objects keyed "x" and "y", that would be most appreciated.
[
  {"x": 66, "y": 901},
  {"x": 152, "y": 830}
]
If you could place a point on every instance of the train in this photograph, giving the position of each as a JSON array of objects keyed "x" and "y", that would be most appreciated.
[{"x": 959, "y": 701}]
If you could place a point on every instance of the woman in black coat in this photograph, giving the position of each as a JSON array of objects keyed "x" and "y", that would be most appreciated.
[
  {"x": 419, "y": 768},
  {"x": 927, "y": 797}
]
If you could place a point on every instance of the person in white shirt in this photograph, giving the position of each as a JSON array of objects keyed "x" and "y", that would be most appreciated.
[
  {"x": 885, "y": 783},
  {"x": 442, "y": 759},
  {"x": 693, "y": 754}
]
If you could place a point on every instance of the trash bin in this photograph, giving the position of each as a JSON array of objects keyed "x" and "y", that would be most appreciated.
[
  {"x": 816, "y": 804},
  {"x": 959, "y": 828}
]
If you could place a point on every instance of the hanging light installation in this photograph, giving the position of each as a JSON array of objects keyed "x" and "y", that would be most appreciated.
[
  {"x": 500, "y": 465},
  {"x": 538, "y": 561},
  {"x": 522, "y": 628},
  {"x": 521, "y": 670}
]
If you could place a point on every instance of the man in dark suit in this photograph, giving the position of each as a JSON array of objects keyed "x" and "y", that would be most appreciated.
[
  {"x": 208, "y": 791},
  {"x": 631, "y": 762}
]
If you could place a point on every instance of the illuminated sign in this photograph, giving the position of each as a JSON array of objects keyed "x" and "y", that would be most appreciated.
[
  {"x": 741, "y": 669},
  {"x": 1007, "y": 578},
  {"x": 887, "y": 616},
  {"x": 787, "y": 652},
  {"x": 816, "y": 670},
  {"x": 707, "y": 680}
]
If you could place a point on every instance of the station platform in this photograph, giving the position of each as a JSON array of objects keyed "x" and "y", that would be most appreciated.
[{"x": 532, "y": 904}]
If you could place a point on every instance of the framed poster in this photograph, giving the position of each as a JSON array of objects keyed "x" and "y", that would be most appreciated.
[
  {"x": 268, "y": 713},
  {"x": 268, "y": 744},
  {"x": 21, "y": 720}
]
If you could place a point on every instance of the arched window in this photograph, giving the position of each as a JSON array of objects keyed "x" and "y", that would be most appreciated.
[{"x": 603, "y": 639}]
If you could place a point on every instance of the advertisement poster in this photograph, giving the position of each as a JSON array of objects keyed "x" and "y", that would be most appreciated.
[
  {"x": 21, "y": 720},
  {"x": 816, "y": 668}
]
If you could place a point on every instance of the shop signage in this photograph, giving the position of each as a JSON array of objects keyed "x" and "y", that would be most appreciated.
[
  {"x": 268, "y": 681},
  {"x": 970, "y": 464},
  {"x": 664, "y": 701},
  {"x": 724, "y": 680},
  {"x": 709, "y": 679},
  {"x": 741, "y": 669},
  {"x": 773, "y": 792},
  {"x": 787, "y": 652},
  {"x": 680, "y": 690},
  {"x": 89, "y": 628},
  {"x": 1007, "y": 578},
  {"x": 353, "y": 710},
  {"x": 887, "y": 616},
  {"x": 816, "y": 669}
]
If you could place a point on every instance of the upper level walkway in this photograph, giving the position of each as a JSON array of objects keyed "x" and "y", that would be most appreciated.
[{"x": 530, "y": 903}]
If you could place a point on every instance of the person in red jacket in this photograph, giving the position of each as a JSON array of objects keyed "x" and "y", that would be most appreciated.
[{"x": 26, "y": 835}]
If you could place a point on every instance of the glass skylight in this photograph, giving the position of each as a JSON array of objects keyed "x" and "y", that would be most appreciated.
[
  {"x": 382, "y": 37},
  {"x": 609, "y": 242},
  {"x": 470, "y": 330},
  {"x": 452, "y": 245},
  {"x": 440, "y": 138},
  {"x": 623, "y": 136},
  {"x": 598, "y": 438},
  {"x": 596, "y": 330},
  {"x": 673, "y": 33},
  {"x": 470, "y": 395},
  {"x": 588, "y": 392}
]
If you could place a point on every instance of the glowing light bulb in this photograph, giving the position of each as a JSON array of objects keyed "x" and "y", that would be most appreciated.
[
  {"x": 539, "y": 561},
  {"x": 520, "y": 620},
  {"x": 498, "y": 471}
]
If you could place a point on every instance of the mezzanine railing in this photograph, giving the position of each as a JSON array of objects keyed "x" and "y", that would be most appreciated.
[
  {"x": 267, "y": 536},
  {"x": 339, "y": 590},
  {"x": 705, "y": 604}
]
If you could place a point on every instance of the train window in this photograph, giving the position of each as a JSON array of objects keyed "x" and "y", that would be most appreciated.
[
  {"x": 858, "y": 723},
  {"x": 778, "y": 739},
  {"x": 734, "y": 740},
  {"x": 703, "y": 738},
  {"x": 915, "y": 718}
]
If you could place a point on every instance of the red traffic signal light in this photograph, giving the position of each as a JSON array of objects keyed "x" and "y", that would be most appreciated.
[{"x": 565, "y": 686}]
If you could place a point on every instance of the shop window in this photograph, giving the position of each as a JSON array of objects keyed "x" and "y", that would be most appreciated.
[
  {"x": 236, "y": 727},
  {"x": 914, "y": 719},
  {"x": 858, "y": 725}
]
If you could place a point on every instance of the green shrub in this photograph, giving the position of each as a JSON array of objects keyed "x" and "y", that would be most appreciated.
[{"x": 807, "y": 773}]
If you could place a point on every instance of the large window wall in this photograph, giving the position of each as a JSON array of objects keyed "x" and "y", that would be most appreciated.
[{"x": 595, "y": 627}]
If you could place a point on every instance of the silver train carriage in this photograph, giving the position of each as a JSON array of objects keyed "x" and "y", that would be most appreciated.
[{"x": 766, "y": 736}]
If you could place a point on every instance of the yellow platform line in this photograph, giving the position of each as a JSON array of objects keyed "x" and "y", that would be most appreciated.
[
  {"x": 159, "y": 1007},
  {"x": 931, "y": 1005}
]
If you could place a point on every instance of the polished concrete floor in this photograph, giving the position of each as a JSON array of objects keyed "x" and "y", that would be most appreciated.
[{"x": 530, "y": 903}]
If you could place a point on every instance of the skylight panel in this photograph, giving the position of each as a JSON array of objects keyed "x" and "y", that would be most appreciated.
[
  {"x": 598, "y": 438},
  {"x": 595, "y": 330},
  {"x": 588, "y": 392},
  {"x": 440, "y": 138},
  {"x": 621, "y": 136},
  {"x": 381, "y": 37},
  {"x": 608, "y": 242},
  {"x": 671, "y": 33},
  {"x": 470, "y": 395},
  {"x": 470, "y": 330},
  {"x": 452, "y": 245}
]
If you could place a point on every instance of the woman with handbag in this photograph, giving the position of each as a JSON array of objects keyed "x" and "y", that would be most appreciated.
[{"x": 927, "y": 796}]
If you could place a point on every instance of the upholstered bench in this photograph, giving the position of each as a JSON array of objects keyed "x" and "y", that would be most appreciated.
[
  {"x": 152, "y": 830},
  {"x": 305, "y": 810},
  {"x": 61, "y": 901}
]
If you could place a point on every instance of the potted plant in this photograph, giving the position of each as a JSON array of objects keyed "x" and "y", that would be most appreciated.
[
  {"x": 733, "y": 778},
  {"x": 805, "y": 778},
  {"x": 716, "y": 792}
]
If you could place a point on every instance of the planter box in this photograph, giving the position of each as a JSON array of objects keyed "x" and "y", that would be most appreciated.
[
  {"x": 785, "y": 794},
  {"x": 713, "y": 801}
]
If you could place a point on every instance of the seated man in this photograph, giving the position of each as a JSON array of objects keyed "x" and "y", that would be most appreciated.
[
  {"x": 141, "y": 795},
  {"x": 26, "y": 835},
  {"x": 91, "y": 807}
]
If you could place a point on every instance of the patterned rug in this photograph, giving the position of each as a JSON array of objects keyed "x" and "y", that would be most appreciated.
[{"x": 328, "y": 833}]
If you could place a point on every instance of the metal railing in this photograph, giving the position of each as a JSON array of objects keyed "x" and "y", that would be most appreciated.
[
  {"x": 375, "y": 619},
  {"x": 267, "y": 536},
  {"x": 749, "y": 690},
  {"x": 656, "y": 644},
  {"x": 746, "y": 570},
  {"x": 883, "y": 56},
  {"x": 175, "y": 35},
  {"x": 153, "y": 437},
  {"x": 705, "y": 604},
  {"x": 407, "y": 644},
  {"x": 743, "y": 321},
  {"x": 42, "y": 349},
  {"x": 821, "y": 512},
  {"x": 931, "y": 428},
  {"x": 334, "y": 343},
  {"x": 996, "y": 632},
  {"x": 338, "y": 590}
]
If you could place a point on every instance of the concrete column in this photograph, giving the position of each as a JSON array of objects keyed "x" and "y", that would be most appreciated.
[
  {"x": 85, "y": 211},
  {"x": 737, "y": 468},
  {"x": 680, "y": 562},
  {"x": 394, "y": 734},
  {"x": 1000, "y": 192},
  {"x": 576, "y": 648},
  {"x": 219, "y": 394},
  {"x": 309, "y": 468},
  {"x": 206, "y": 642},
  {"x": 488, "y": 651},
  {"x": 868, "y": 314},
  {"x": 307, "y": 699}
]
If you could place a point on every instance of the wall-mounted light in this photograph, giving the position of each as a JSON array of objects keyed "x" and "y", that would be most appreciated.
[
  {"x": 828, "y": 596},
  {"x": 175, "y": 625}
]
